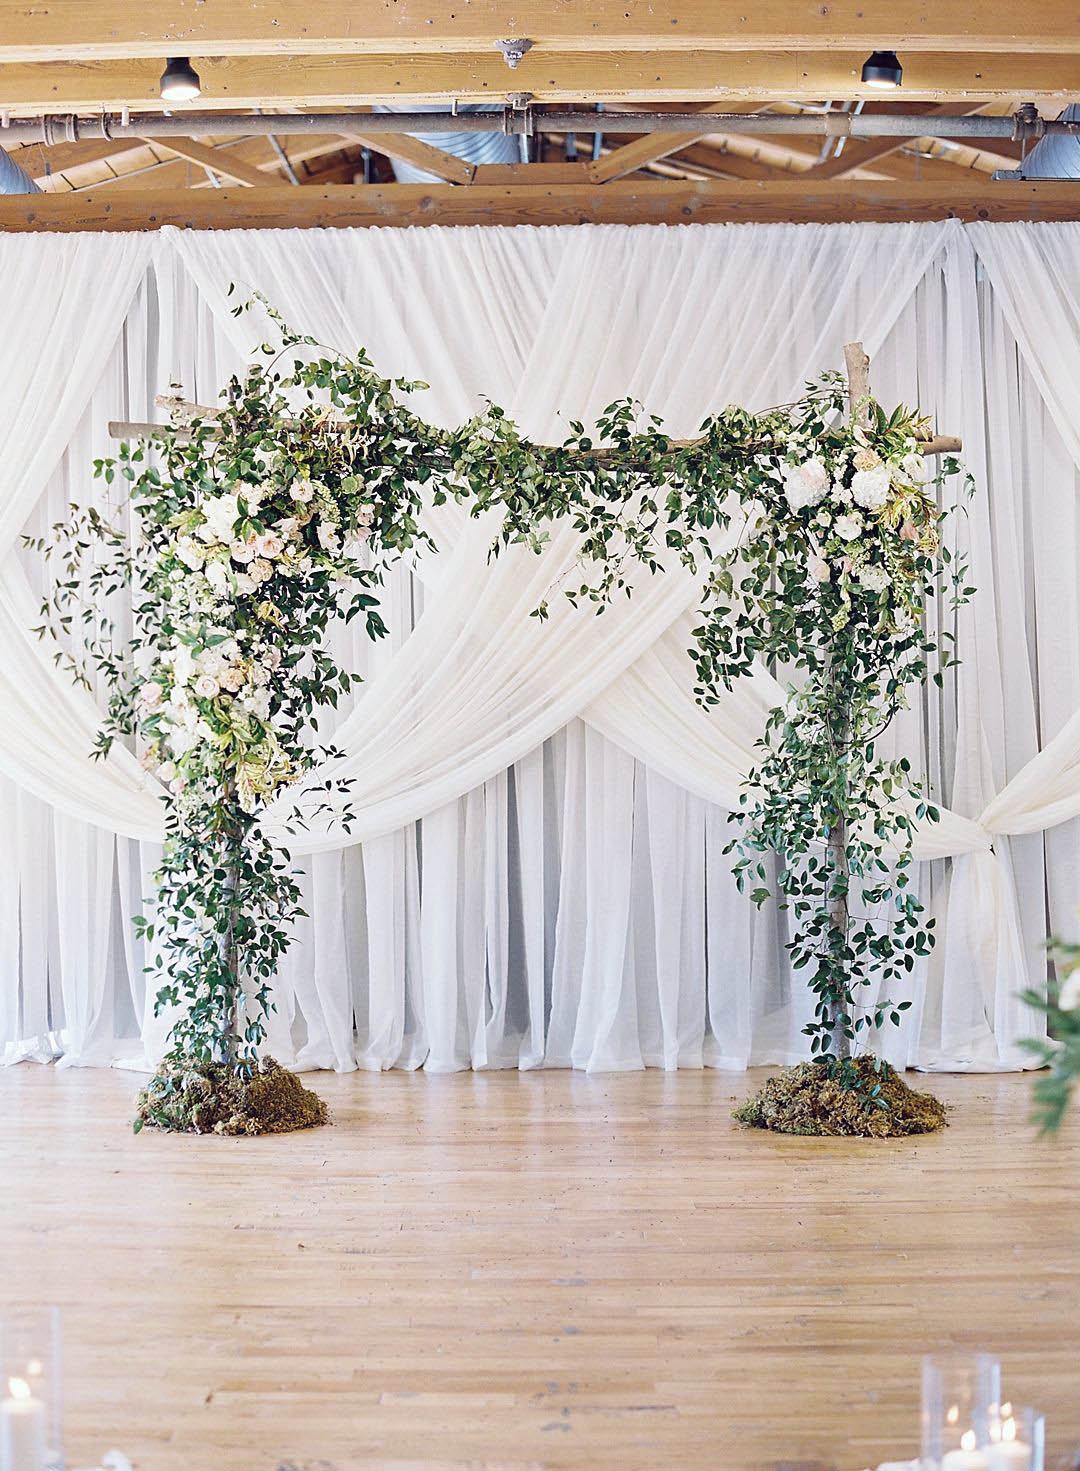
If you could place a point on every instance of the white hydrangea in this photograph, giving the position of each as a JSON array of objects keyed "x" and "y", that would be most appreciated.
[
  {"x": 875, "y": 577},
  {"x": 222, "y": 514},
  {"x": 870, "y": 488},
  {"x": 190, "y": 553}
]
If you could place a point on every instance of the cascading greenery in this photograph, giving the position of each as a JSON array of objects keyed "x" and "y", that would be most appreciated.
[{"x": 812, "y": 532}]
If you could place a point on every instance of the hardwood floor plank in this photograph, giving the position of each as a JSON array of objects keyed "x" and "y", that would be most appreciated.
[{"x": 531, "y": 1271}]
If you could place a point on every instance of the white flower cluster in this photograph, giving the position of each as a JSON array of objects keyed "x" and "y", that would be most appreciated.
[
  {"x": 843, "y": 506},
  {"x": 211, "y": 689}
]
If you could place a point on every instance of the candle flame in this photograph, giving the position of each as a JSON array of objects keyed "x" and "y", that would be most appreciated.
[
  {"x": 952, "y": 1414},
  {"x": 1008, "y": 1429},
  {"x": 19, "y": 1388},
  {"x": 967, "y": 1440}
]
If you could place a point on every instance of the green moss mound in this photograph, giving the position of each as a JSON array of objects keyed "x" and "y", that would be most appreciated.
[
  {"x": 208, "y": 1098},
  {"x": 806, "y": 1100}
]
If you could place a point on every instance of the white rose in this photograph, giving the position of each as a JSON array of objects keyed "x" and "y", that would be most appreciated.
[
  {"x": 217, "y": 576},
  {"x": 272, "y": 658},
  {"x": 365, "y": 515},
  {"x": 150, "y": 696},
  {"x": 870, "y": 488},
  {"x": 848, "y": 526},
  {"x": 261, "y": 571},
  {"x": 805, "y": 484},
  {"x": 302, "y": 491},
  {"x": 914, "y": 467},
  {"x": 819, "y": 568},
  {"x": 244, "y": 584},
  {"x": 269, "y": 544},
  {"x": 328, "y": 538},
  {"x": 232, "y": 680},
  {"x": 183, "y": 663},
  {"x": 206, "y": 687},
  {"x": 167, "y": 771}
]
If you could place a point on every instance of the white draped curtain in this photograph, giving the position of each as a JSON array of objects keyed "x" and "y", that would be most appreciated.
[{"x": 538, "y": 875}]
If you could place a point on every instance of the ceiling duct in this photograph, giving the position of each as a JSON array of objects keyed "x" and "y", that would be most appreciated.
[
  {"x": 474, "y": 148},
  {"x": 1057, "y": 156},
  {"x": 13, "y": 179}
]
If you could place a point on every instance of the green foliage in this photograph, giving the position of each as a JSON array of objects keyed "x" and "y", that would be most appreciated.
[
  {"x": 812, "y": 536},
  {"x": 1061, "y": 1052}
]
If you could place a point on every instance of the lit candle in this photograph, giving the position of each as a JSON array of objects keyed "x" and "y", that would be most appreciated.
[
  {"x": 967, "y": 1458},
  {"x": 1006, "y": 1453},
  {"x": 22, "y": 1429}
]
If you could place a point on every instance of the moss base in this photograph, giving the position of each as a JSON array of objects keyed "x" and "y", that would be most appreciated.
[
  {"x": 207, "y": 1098},
  {"x": 805, "y": 1100}
]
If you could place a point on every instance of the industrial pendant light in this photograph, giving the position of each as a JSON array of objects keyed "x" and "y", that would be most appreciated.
[
  {"x": 179, "y": 80},
  {"x": 882, "y": 69}
]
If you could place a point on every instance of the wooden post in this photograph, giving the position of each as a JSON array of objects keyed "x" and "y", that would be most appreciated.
[{"x": 858, "y": 371}]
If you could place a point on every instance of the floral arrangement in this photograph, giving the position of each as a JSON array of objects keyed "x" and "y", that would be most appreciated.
[
  {"x": 259, "y": 523},
  {"x": 842, "y": 550}
]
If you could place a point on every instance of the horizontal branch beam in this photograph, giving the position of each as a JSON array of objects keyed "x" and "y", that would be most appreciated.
[
  {"x": 935, "y": 444},
  {"x": 343, "y": 81},
  {"x": 628, "y": 202},
  {"x": 79, "y": 30}
]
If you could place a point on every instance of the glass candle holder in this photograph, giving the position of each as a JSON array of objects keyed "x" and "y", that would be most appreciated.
[
  {"x": 961, "y": 1395},
  {"x": 1017, "y": 1440},
  {"x": 31, "y": 1403}
]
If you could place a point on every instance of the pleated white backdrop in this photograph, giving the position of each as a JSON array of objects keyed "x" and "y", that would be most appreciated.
[{"x": 541, "y": 878}]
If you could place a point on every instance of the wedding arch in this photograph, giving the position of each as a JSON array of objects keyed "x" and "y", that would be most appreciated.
[{"x": 808, "y": 529}]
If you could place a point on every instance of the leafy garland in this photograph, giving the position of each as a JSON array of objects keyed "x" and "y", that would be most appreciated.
[{"x": 262, "y": 524}]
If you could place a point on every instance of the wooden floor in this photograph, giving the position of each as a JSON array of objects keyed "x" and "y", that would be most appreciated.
[{"x": 538, "y": 1270}]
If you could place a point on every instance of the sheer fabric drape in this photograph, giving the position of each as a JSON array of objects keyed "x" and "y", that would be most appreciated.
[{"x": 563, "y": 903}]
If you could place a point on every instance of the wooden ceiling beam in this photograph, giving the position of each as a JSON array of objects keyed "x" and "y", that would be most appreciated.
[
  {"x": 863, "y": 152},
  {"x": 175, "y": 173},
  {"x": 81, "y": 30},
  {"x": 252, "y": 82},
  {"x": 407, "y": 149},
  {"x": 620, "y": 202},
  {"x": 222, "y": 160},
  {"x": 618, "y": 162}
]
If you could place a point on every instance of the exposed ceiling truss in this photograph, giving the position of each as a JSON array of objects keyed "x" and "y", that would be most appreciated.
[{"x": 971, "y": 66}]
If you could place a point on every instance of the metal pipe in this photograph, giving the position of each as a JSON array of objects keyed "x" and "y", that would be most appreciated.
[{"x": 528, "y": 119}]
